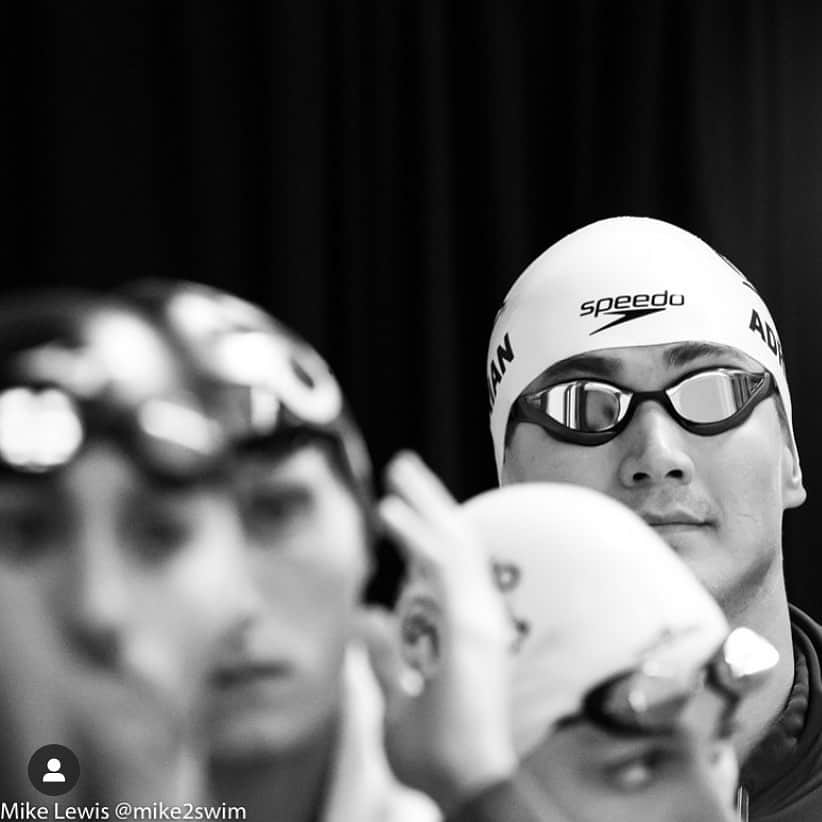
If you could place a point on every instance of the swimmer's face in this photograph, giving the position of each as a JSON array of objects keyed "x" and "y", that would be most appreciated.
[
  {"x": 277, "y": 684},
  {"x": 689, "y": 775},
  {"x": 717, "y": 500},
  {"x": 140, "y": 578}
]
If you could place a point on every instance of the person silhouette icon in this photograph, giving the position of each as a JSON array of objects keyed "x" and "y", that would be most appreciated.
[
  {"x": 53, "y": 770},
  {"x": 54, "y": 774}
]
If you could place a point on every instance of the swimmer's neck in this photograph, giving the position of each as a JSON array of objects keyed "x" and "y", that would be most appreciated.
[
  {"x": 288, "y": 787},
  {"x": 765, "y": 611}
]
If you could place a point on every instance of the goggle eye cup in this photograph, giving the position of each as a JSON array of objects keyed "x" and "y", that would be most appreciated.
[
  {"x": 40, "y": 428},
  {"x": 581, "y": 405},
  {"x": 176, "y": 437},
  {"x": 639, "y": 703},
  {"x": 710, "y": 397},
  {"x": 744, "y": 662}
]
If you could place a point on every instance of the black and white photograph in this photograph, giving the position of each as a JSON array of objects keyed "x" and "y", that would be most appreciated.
[{"x": 407, "y": 411}]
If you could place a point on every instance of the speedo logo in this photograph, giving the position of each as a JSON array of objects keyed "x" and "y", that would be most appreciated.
[{"x": 628, "y": 307}]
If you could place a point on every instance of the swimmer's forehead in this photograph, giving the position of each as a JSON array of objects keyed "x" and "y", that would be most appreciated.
[{"x": 615, "y": 363}]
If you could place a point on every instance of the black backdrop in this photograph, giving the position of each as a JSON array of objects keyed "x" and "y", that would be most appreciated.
[{"x": 377, "y": 173}]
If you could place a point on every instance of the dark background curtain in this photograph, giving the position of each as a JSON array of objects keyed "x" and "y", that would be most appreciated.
[{"x": 377, "y": 173}]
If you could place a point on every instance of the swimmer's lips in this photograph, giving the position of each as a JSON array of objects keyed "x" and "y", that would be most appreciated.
[
  {"x": 249, "y": 673},
  {"x": 678, "y": 518}
]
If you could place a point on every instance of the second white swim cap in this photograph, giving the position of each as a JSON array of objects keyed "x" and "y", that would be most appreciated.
[{"x": 592, "y": 590}]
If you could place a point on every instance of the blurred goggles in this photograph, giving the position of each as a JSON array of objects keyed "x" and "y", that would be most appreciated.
[
  {"x": 269, "y": 384},
  {"x": 651, "y": 698},
  {"x": 590, "y": 412},
  {"x": 268, "y": 380},
  {"x": 43, "y": 428},
  {"x": 270, "y": 372}
]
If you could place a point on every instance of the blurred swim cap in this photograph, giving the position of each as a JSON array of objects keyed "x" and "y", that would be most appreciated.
[
  {"x": 264, "y": 379},
  {"x": 75, "y": 365},
  {"x": 592, "y": 591},
  {"x": 624, "y": 281}
]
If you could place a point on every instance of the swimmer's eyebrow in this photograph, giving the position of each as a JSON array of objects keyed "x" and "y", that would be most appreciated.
[
  {"x": 584, "y": 365},
  {"x": 605, "y": 367},
  {"x": 684, "y": 353}
]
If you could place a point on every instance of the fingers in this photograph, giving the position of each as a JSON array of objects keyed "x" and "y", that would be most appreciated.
[
  {"x": 410, "y": 531},
  {"x": 425, "y": 519},
  {"x": 408, "y": 476}
]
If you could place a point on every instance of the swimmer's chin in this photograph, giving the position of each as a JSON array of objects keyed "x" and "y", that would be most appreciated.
[{"x": 685, "y": 538}]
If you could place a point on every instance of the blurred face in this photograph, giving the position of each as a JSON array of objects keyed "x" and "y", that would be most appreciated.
[
  {"x": 140, "y": 578},
  {"x": 689, "y": 775},
  {"x": 278, "y": 682},
  {"x": 717, "y": 500}
]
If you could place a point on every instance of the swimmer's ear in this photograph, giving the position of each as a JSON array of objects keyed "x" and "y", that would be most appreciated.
[{"x": 793, "y": 488}]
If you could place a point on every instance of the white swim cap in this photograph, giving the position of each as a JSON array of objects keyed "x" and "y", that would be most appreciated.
[
  {"x": 592, "y": 589},
  {"x": 625, "y": 281}
]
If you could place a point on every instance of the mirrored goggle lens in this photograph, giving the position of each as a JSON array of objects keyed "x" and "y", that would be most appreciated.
[
  {"x": 744, "y": 661},
  {"x": 582, "y": 405},
  {"x": 39, "y": 429},
  {"x": 239, "y": 346},
  {"x": 647, "y": 702},
  {"x": 593, "y": 407},
  {"x": 176, "y": 438},
  {"x": 713, "y": 396}
]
